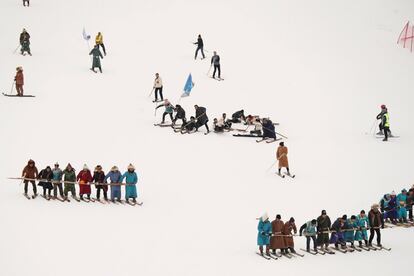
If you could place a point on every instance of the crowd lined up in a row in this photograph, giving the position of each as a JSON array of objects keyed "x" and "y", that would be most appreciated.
[{"x": 52, "y": 179}]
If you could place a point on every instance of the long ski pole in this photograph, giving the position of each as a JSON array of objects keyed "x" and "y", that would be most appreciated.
[
  {"x": 15, "y": 50},
  {"x": 373, "y": 124},
  {"x": 209, "y": 69},
  {"x": 274, "y": 163},
  {"x": 11, "y": 90},
  {"x": 151, "y": 92}
]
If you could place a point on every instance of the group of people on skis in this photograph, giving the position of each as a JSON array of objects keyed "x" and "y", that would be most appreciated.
[
  {"x": 278, "y": 235},
  {"x": 398, "y": 208},
  {"x": 65, "y": 182}
]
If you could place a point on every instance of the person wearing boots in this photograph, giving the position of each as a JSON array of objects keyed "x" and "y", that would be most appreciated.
[{"x": 264, "y": 232}]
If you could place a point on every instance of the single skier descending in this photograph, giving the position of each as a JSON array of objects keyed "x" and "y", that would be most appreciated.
[
  {"x": 264, "y": 232},
  {"x": 200, "y": 47},
  {"x": 30, "y": 173},
  {"x": 25, "y": 42},
  {"x": 384, "y": 125},
  {"x": 158, "y": 87},
  {"x": 96, "y": 58},
  {"x": 131, "y": 179},
  {"x": 99, "y": 42},
  {"x": 19, "y": 79},
  {"x": 215, "y": 61}
]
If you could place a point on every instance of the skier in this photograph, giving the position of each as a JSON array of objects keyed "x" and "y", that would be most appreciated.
[
  {"x": 97, "y": 55},
  {"x": 362, "y": 225},
  {"x": 384, "y": 205},
  {"x": 264, "y": 231},
  {"x": 84, "y": 178},
  {"x": 200, "y": 46},
  {"x": 227, "y": 123},
  {"x": 288, "y": 227},
  {"x": 99, "y": 177},
  {"x": 376, "y": 222},
  {"x": 99, "y": 42},
  {"x": 384, "y": 125},
  {"x": 402, "y": 206},
  {"x": 189, "y": 127},
  {"x": 19, "y": 80},
  {"x": 392, "y": 213},
  {"x": 131, "y": 179},
  {"x": 218, "y": 125},
  {"x": 238, "y": 116},
  {"x": 158, "y": 87},
  {"x": 268, "y": 129},
  {"x": 215, "y": 60},
  {"x": 45, "y": 176},
  {"x": 281, "y": 156},
  {"x": 179, "y": 114},
  {"x": 69, "y": 178},
  {"x": 349, "y": 230},
  {"x": 277, "y": 241},
  {"x": 57, "y": 181},
  {"x": 323, "y": 227},
  {"x": 410, "y": 202},
  {"x": 258, "y": 128},
  {"x": 115, "y": 177},
  {"x": 169, "y": 109},
  {"x": 309, "y": 230},
  {"x": 25, "y": 42},
  {"x": 26, "y": 1},
  {"x": 29, "y": 174},
  {"x": 201, "y": 117},
  {"x": 337, "y": 235}
]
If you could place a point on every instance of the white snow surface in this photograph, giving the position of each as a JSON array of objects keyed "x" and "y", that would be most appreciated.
[{"x": 320, "y": 68}]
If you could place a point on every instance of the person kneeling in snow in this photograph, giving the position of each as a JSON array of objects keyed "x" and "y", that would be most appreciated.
[
  {"x": 218, "y": 125},
  {"x": 131, "y": 179}
]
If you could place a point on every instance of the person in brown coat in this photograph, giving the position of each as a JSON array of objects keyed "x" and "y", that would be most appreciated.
[
  {"x": 19, "y": 80},
  {"x": 29, "y": 174},
  {"x": 288, "y": 238},
  {"x": 277, "y": 241},
  {"x": 281, "y": 155}
]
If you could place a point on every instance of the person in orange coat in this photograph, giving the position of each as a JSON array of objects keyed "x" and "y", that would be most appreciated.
[
  {"x": 281, "y": 155},
  {"x": 19, "y": 80},
  {"x": 287, "y": 232},
  {"x": 277, "y": 241}
]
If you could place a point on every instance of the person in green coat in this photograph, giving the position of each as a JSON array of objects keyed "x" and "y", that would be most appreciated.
[
  {"x": 69, "y": 175},
  {"x": 362, "y": 224},
  {"x": 96, "y": 58}
]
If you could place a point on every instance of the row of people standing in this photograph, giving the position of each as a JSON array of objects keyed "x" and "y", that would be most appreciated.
[
  {"x": 52, "y": 179},
  {"x": 278, "y": 235},
  {"x": 398, "y": 208}
]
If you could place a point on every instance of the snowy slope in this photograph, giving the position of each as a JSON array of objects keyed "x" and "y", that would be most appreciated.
[{"x": 320, "y": 68}]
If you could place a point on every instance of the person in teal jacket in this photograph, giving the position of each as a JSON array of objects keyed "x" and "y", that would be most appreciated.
[
  {"x": 131, "y": 179},
  {"x": 349, "y": 231},
  {"x": 402, "y": 206},
  {"x": 264, "y": 232},
  {"x": 362, "y": 224}
]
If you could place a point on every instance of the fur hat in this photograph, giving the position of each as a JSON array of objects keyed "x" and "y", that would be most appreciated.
[
  {"x": 98, "y": 168},
  {"x": 85, "y": 167},
  {"x": 375, "y": 206},
  {"x": 114, "y": 169},
  {"x": 264, "y": 217},
  {"x": 19, "y": 68},
  {"x": 393, "y": 193},
  {"x": 131, "y": 167},
  {"x": 57, "y": 164}
]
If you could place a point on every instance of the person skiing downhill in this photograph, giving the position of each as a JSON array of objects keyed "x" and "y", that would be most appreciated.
[
  {"x": 84, "y": 178},
  {"x": 309, "y": 231},
  {"x": 99, "y": 42},
  {"x": 277, "y": 241},
  {"x": 376, "y": 222},
  {"x": 69, "y": 178},
  {"x": 57, "y": 181},
  {"x": 131, "y": 179},
  {"x": 96, "y": 58},
  {"x": 29, "y": 174},
  {"x": 115, "y": 178},
  {"x": 215, "y": 61},
  {"x": 201, "y": 117},
  {"x": 45, "y": 180},
  {"x": 323, "y": 227},
  {"x": 362, "y": 225},
  {"x": 25, "y": 42},
  {"x": 384, "y": 125},
  {"x": 99, "y": 177},
  {"x": 158, "y": 87},
  {"x": 19, "y": 81},
  {"x": 200, "y": 47},
  {"x": 281, "y": 156},
  {"x": 169, "y": 109},
  {"x": 264, "y": 232}
]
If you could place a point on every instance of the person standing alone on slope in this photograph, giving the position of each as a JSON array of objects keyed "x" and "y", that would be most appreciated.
[
  {"x": 281, "y": 155},
  {"x": 200, "y": 47},
  {"x": 384, "y": 126},
  {"x": 158, "y": 87},
  {"x": 19, "y": 79},
  {"x": 215, "y": 61}
]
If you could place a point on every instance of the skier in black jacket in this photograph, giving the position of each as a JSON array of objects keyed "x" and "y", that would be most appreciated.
[
  {"x": 200, "y": 46},
  {"x": 180, "y": 114},
  {"x": 45, "y": 176},
  {"x": 215, "y": 60},
  {"x": 323, "y": 228},
  {"x": 201, "y": 116}
]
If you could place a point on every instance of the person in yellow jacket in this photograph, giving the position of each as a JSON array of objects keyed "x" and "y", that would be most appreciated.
[{"x": 99, "y": 42}]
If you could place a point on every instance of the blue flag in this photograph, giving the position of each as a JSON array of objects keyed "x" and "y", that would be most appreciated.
[{"x": 189, "y": 84}]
